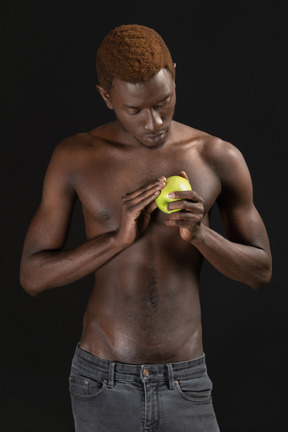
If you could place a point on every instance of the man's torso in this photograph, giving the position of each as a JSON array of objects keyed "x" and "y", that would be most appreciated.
[{"x": 144, "y": 307}]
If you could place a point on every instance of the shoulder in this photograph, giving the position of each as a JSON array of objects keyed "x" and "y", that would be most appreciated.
[
  {"x": 223, "y": 157},
  {"x": 213, "y": 150},
  {"x": 209, "y": 146},
  {"x": 67, "y": 158},
  {"x": 230, "y": 167},
  {"x": 76, "y": 149},
  {"x": 74, "y": 145}
]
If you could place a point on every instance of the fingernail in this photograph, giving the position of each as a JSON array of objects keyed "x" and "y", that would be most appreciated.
[{"x": 171, "y": 195}]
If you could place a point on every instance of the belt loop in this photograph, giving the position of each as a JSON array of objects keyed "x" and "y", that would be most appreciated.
[
  {"x": 170, "y": 376},
  {"x": 111, "y": 375}
]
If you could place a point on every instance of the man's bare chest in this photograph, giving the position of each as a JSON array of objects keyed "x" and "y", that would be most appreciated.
[{"x": 102, "y": 182}]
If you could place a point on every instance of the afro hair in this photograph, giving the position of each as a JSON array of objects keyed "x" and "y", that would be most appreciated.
[{"x": 132, "y": 53}]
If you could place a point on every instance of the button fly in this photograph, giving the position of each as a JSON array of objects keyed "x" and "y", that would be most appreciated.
[{"x": 146, "y": 372}]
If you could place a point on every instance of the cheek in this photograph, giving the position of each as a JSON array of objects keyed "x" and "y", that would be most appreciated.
[
  {"x": 130, "y": 123},
  {"x": 170, "y": 111}
]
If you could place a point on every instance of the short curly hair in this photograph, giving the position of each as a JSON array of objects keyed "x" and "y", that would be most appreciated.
[{"x": 132, "y": 53}]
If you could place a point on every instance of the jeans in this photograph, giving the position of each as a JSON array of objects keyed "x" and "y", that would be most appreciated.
[{"x": 118, "y": 397}]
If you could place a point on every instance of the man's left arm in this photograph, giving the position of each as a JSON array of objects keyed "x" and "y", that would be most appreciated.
[{"x": 245, "y": 254}]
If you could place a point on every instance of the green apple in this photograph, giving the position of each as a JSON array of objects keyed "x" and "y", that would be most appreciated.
[{"x": 173, "y": 184}]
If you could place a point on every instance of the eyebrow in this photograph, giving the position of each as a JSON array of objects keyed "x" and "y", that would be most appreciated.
[{"x": 136, "y": 107}]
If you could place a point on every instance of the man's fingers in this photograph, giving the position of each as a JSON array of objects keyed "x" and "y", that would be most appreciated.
[
  {"x": 146, "y": 201},
  {"x": 188, "y": 195},
  {"x": 151, "y": 207},
  {"x": 183, "y": 174},
  {"x": 143, "y": 191}
]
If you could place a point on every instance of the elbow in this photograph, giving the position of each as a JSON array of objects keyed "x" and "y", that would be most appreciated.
[
  {"x": 29, "y": 288},
  {"x": 28, "y": 284},
  {"x": 262, "y": 278}
]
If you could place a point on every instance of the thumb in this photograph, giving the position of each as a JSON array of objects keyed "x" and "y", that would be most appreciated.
[{"x": 183, "y": 174}]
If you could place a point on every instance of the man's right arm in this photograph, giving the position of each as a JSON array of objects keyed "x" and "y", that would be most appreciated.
[
  {"x": 49, "y": 268},
  {"x": 44, "y": 263}
]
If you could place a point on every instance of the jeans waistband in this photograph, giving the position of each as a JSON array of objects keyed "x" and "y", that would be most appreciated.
[{"x": 115, "y": 371}]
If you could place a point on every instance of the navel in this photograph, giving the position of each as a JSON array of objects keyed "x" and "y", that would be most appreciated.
[
  {"x": 106, "y": 216},
  {"x": 154, "y": 299}
]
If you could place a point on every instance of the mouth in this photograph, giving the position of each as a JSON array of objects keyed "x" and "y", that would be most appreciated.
[{"x": 155, "y": 139}]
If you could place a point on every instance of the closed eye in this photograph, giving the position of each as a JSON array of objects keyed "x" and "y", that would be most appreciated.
[
  {"x": 133, "y": 111},
  {"x": 163, "y": 103}
]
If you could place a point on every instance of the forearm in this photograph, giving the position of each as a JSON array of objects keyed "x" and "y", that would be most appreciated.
[
  {"x": 49, "y": 269},
  {"x": 243, "y": 263}
]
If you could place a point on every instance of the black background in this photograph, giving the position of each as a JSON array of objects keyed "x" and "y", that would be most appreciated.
[{"x": 231, "y": 82}]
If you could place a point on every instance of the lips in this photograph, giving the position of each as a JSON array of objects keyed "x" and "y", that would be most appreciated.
[{"x": 155, "y": 139}]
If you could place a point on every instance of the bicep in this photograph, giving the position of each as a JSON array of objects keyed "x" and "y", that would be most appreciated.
[
  {"x": 50, "y": 225},
  {"x": 241, "y": 219},
  {"x": 48, "y": 229},
  {"x": 244, "y": 225}
]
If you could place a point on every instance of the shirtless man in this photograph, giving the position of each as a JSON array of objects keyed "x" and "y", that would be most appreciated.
[{"x": 140, "y": 363}]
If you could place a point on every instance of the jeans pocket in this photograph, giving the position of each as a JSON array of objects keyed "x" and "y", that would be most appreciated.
[
  {"x": 82, "y": 387},
  {"x": 198, "y": 390}
]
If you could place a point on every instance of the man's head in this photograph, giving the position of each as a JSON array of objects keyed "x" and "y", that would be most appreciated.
[
  {"x": 137, "y": 81},
  {"x": 132, "y": 53}
]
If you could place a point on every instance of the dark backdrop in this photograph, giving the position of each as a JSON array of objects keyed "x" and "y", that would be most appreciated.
[{"x": 231, "y": 82}]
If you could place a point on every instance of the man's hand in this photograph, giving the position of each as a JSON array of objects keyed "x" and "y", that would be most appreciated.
[
  {"x": 136, "y": 211},
  {"x": 190, "y": 217}
]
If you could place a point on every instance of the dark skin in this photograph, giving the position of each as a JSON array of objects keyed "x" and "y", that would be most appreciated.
[{"x": 144, "y": 307}]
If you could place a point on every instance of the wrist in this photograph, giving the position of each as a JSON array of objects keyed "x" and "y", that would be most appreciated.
[
  {"x": 120, "y": 241},
  {"x": 198, "y": 237}
]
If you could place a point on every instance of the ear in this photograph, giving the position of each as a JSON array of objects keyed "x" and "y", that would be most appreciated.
[
  {"x": 105, "y": 95},
  {"x": 174, "y": 64}
]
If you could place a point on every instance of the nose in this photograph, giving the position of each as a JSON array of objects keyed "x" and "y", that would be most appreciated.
[{"x": 153, "y": 121}]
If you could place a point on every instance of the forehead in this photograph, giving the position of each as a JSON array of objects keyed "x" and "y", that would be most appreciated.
[{"x": 159, "y": 86}]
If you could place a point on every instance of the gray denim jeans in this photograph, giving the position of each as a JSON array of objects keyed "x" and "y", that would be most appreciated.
[{"x": 117, "y": 397}]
